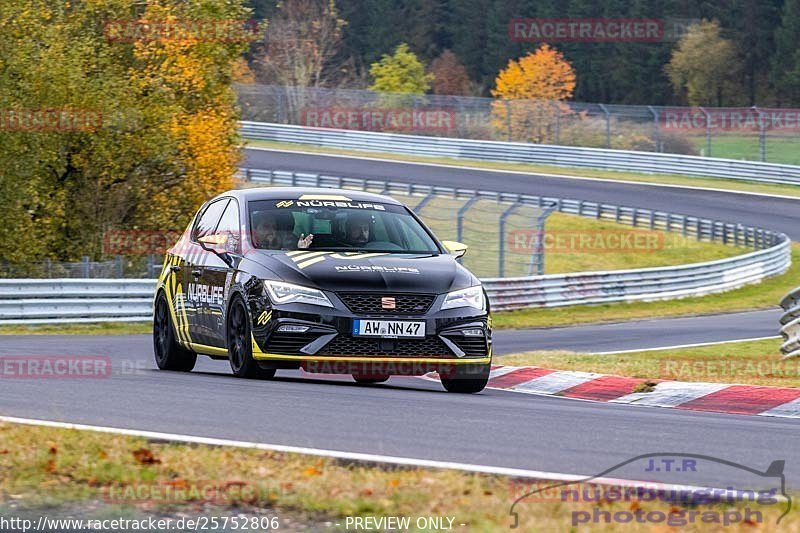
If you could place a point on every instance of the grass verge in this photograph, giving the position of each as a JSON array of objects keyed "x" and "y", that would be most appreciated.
[
  {"x": 109, "y": 328},
  {"x": 750, "y": 363},
  {"x": 663, "y": 179},
  {"x": 759, "y": 296},
  {"x": 47, "y": 470}
]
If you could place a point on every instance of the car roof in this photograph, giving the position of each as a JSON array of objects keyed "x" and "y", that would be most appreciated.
[{"x": 297, "y": 193}]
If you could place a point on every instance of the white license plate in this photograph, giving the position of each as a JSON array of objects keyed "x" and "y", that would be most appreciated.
[{"x": 388, "y": 328}]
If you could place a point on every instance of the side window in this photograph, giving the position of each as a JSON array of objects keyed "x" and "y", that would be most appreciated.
[
  {"x": 229, "y": 225},
  {"x": 209, "y": 219}
]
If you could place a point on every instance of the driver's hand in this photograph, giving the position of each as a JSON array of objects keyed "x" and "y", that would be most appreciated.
[{"x": 305, "y": 240}]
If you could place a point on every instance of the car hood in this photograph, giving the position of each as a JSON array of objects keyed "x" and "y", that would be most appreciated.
[{"x": 347, "y": 271}]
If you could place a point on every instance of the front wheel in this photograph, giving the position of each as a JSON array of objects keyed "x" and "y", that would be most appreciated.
[
  {"x": 240, "y": 347},
  {"x": 466, "y": 379},
  {"x": 169, "y": 354}
]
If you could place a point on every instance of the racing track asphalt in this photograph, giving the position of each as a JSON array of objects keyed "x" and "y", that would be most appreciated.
[{"x": 407, "y": 417}]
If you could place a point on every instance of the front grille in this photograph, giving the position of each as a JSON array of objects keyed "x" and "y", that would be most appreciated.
[
  {"x": 368, "y": 303},
  {"x": 427, "y": 347},
  {"x": 475, "y": 346},
  {"x": 289, "y": 343}
]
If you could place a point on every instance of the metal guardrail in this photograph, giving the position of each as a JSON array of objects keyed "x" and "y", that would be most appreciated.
[
  {"x": 67, "y": 301},
  {"x": 51, "y": 301},
  {"x": 790, "y": 324},
  {"x": 570, "y": 156}
]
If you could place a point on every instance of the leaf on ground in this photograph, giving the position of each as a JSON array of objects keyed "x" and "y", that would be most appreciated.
[{"x": 144, "y": 456}]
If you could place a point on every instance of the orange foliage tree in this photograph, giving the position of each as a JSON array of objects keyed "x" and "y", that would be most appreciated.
[{"x": 529, "y": 94}]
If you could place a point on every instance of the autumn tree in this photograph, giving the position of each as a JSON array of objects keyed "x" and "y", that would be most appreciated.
[
  {"x": 529, "y": 93},
  {"x": 402, "y": 72},
  {"x": 449, "y": 75},
  {"x": 165, "y": 135},
  {"x": 303, "y": 49},
  {"x": 704, "y": 66}
]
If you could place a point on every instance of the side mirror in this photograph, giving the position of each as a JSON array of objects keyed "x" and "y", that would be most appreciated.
[
  {"x": 457, "y": 249},
  {"x": 218, "y": 245},
  {"x": 214, "y": 241}
]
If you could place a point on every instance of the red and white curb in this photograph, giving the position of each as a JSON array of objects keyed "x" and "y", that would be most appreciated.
[{"x": 692, "y": 396}]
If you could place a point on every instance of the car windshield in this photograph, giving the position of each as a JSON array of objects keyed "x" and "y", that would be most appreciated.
[{"x": 337, "y": 225}]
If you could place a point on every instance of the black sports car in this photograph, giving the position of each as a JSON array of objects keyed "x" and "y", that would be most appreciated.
[{"x": 330, "y": 281}]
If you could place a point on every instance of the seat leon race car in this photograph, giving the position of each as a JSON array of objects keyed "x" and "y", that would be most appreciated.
[{"x": 328, "y": 281}]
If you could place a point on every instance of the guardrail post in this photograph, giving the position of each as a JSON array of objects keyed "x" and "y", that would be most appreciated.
[
  {"x": 502, "y": 254},
  {"x": 85, "y": 266},
  {"x": 120, "y": 266}
]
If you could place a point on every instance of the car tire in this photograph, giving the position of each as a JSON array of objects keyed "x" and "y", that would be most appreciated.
[
  {"x": 369, "y": 380},
  {"x": 168, "y": 353},
  {"x": 240, "y": 347},
  {"x": 466, "y": 379}
]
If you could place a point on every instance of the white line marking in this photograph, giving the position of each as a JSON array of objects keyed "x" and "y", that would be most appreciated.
[
  {"x": 677, "y": 346},
  {"x": 353, "y": 456},
  {"x": 544, "y": 174}
]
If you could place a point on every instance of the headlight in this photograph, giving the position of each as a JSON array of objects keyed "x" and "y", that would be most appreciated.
[
  {"x": 469, "y": 297},
  {"x": 287, "y": 293}
]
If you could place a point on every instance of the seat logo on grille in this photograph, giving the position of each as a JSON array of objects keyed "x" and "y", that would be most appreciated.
[{"x": 388, "y": 302}]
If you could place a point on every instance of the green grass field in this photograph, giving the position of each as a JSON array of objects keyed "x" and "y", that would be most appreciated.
[{"x": 779, "y": 149}]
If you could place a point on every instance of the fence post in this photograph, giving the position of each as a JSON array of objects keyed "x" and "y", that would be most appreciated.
[
  {"x": 762, "y": 136},
  {"x": 656, "y": 128},
  {"x": 502, "y": 254},
  {"x": 430, "y": 196},
  {"x": 85, "y": 266},
  {"x": 708, "y": 131},
  {"x": 508, "y": 119},
  {"x": 558, "y": 122},
  {"x": 608, "y": 125},
  {"x": 460, "y": 218},
  {"x": 537, "y": 256},
  {"x": 120, "y": 266}
]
